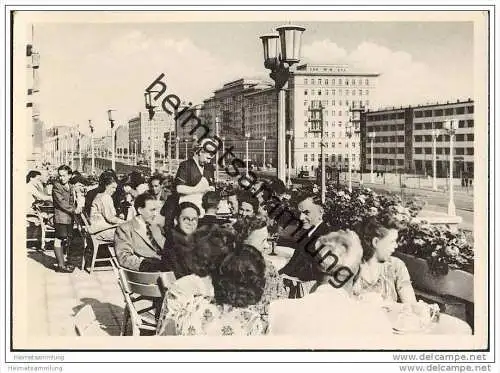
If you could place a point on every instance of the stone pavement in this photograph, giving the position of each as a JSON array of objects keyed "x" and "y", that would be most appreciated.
[{"x": 55, "y": 298}]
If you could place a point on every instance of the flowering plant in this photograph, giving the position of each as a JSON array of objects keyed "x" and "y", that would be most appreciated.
[{"x": 441, "y": 247}]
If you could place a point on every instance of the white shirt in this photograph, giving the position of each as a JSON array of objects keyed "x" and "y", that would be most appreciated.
[
  {"x": 327, "y": 311},
  {"x": 310, "y": 233}
]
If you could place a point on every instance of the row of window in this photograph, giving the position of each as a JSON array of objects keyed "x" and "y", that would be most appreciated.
[
  {"x": 333, "y": 81},
  {"x": 423, "y": 113},
  {"x": 458, "y": 137},
  {"x": 311, "y": 158},
  {"x": 383, "y": 161},
  {"x": 419, "y": 126},
  {"x": 306, "y": 145},
  {"x": 380, "y": 139},
  {"x": 440, "y": 112},
  {"x": 458, "y": 151},
  {"x": 387, "y": 127},
  {"x": 347, "y": 92},
  {"x": 388, "y": 150},
  {"x": 347, "y": 103}
]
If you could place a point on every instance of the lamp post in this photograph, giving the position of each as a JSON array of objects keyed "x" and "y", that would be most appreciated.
[
  {"x": 450, "y": 126},
  {"x": 371, "y": 136},
  {"x": 264, "y": 138},
  {"x": 148, "y": 101},
  {"x": 112, "y": 123},
  {"x": 247, "y": 137},
  {"x": 223, "y": 150},
  {"x": 316, "y": 120},
  {"x": 348, "y": 132},
  {"x": 217, "y": 153},
  {"x": 356, "y": 112},
  {"x": 177, "y": 139},
  {"x": 136, "y": 149},
  {"x": 186, "y": 145},
  {"x": 289, "y": 133},
  {"x": 280, "y": 61},
  {"x": 435, "y": 134}
]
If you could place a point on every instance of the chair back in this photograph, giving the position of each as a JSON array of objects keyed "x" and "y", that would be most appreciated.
[{"x": 148, "y": 284}]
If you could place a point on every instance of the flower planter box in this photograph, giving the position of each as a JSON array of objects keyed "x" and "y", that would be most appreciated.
[{"x": 456, "y": 283}]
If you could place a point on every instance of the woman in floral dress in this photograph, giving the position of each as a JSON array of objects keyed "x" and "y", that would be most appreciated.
[
  {"x": 382, "y": 277},
  {"x": 238, "y": 283}
]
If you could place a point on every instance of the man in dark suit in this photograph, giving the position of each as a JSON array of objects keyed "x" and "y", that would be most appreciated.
[
  {"x": 139, "y": 242},
  {"x": 210, "y": 203},
  {"x": 302, "y": 264}
]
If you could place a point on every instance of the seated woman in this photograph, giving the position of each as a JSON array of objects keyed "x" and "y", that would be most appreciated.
[
  {"x": 253, "y": 231},
  {"x": 103, "y": 219},
  {"x": 382, "y": 277},
  {"x": 178, "y": 243},
  {"x": 237, "y": 285}
]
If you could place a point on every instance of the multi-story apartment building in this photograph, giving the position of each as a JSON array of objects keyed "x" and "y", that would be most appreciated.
[
  {"x": 141, "y": 128},
  {"x": 244, "y": 106},
  {"x": 339, "y": 89},
  {"x": 403, "y": 138}
]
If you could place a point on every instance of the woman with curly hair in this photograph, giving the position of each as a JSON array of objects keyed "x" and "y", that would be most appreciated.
[
  {"x": 237, "y": 283},
  {"x": 382, "y": 276},
  {"x": 253, "y": 231}
]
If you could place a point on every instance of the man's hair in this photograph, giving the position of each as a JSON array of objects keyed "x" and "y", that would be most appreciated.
[
  {"x": 250, "y": 199},
  {"x": 156, "y": 177},
  {"x": 141, "y": 199},
  {"x": 64, "y": 167},
  {"x": 32, "y": 174},
  {"x": 210, "y": 200},
  {"x": 184, "y": 205}
]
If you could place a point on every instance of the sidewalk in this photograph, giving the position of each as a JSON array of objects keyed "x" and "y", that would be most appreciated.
[{"x": 55, "y": 298}]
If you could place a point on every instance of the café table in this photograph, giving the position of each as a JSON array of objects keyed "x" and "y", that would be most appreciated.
[{"x": 444, "y": 325}]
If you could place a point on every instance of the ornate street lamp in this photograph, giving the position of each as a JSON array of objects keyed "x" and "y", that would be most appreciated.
[
  {"x": 435, "y": 133},
  {"x": 177, "y": 139},
  {"x": 150, "y": 107},
  {"x": 371, "y": 136},
  {"x": 223, "y": 150},
  {"x": 356, "y": 113},
  {"x": 349, "y": 133},
  {"x": 289, "y": 133},
  {"x": 112, "y": 123},
  {"x": 264, "y": 138},
  {"x": 316, "y": 120},
  {"x": 247, "y": 137},
  {"x": 451, "y": 126},
  {"x": 279, "y": 60}
]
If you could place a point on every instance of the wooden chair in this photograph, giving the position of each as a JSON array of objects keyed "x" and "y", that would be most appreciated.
[
  {"x": 96, "y": 243},
  {"x": 139, "y": 288},
  {"x": 45, "y": 215}
]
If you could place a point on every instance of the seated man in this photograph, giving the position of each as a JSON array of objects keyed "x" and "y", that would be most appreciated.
[
  {"x": 156, "y": 188},
  {"x": 139, "y": 242},
  {"x": 329, "y": 310},
  {"x": 310, "y": 227},
  {"x": 210, "y": 203}
]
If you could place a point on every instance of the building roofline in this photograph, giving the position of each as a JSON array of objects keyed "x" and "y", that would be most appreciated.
[{"x": 420, "y": 106}]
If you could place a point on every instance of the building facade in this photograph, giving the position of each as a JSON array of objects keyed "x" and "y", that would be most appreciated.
[
  {"x": 339, "y": 89},
  {"x": 141, "y": 129},
  {"x": 403, "y": 139},
  {"x": 244, "y": 106}
]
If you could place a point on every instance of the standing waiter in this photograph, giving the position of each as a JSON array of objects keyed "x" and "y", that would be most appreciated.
[{"x": 194, "y": 177}]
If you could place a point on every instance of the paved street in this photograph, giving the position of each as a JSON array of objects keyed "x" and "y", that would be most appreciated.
[{"x": 55, "y": 298}]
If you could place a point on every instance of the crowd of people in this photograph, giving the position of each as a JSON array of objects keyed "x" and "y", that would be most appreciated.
[{"x": 217, "y": 241}]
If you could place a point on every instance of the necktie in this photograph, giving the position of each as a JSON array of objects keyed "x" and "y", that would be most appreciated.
[{"x": 155, "y": 244}]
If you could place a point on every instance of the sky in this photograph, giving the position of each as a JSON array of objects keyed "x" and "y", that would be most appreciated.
[{"x": 88, "y": 68}]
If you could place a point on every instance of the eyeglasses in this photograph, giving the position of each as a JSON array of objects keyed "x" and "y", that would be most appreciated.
[{"x": 188, "y": 219}]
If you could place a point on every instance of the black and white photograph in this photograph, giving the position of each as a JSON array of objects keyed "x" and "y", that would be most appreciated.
[{"x": 210, "y": 179}]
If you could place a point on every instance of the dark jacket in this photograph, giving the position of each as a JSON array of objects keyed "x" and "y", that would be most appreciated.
[
  {"x": 303, "y": 264},
  {"x": 176, "y": 250},
  {"x": 64, "y": 204}
]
